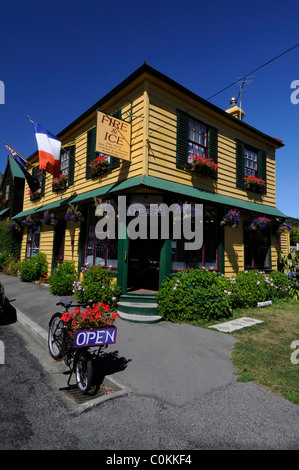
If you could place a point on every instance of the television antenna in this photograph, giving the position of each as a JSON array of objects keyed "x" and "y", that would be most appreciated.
[{"x": 242, "y": 81}]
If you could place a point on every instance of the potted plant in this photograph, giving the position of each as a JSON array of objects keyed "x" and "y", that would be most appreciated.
[
  {"x": 60, "y": 182},
  {"x": 73, "y": 214},
  {"x": 34, "y": 196},
  {"x": 202, "y": 165},
  {"x": 261, "y": 223},
  {"x": 284, "y": 227},
  {"x": 28, "y": 221},
  {"x": 14, "y": 226},
  {"x": 252, "y": 183},
  {"x": 231, "y": 219},
  {"x": 48, "y": 218},
  {"x": 97, "y": 316},
  {"x": 99, "y": 165}
]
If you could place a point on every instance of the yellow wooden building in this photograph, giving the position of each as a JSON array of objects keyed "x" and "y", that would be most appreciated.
[{"x": 170, "y": 125}]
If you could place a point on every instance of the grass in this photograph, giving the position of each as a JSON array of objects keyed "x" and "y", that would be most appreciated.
[{"x": 263, "y": 351}]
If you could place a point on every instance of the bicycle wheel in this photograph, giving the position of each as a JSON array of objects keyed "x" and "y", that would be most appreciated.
[
  {"x": 55, "y": 336},
  {"x": 84, "y": 371}
]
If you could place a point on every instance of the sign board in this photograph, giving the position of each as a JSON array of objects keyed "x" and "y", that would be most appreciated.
[
  {"x": 264, "y": 304},
  {"x": 94, "y": 337},
  {"x": 113, "y": 136}
]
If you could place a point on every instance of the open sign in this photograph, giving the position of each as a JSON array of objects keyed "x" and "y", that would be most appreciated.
[{"x": 94, "y": 337}]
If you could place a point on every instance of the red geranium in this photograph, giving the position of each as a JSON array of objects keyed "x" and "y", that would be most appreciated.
[{"x": 97, "y": 316}]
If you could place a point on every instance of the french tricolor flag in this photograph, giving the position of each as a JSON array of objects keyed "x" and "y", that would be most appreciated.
[{"x": 49, "y": 147}]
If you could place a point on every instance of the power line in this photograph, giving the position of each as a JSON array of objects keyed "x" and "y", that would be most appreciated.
[{"x": 261, "y": 66}]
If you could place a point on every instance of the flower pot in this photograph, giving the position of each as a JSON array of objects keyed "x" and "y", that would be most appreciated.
[{"x": 253, "y": 187}]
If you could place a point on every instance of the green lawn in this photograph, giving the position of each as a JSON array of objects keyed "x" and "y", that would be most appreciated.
[{"x": 263, "y": 351}]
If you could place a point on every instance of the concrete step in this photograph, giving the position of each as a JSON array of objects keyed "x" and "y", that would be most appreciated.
[{"x": 140, "y": 318}]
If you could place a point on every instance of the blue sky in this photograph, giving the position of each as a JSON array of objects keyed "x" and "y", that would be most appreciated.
[{"x": 58, "y": 58}]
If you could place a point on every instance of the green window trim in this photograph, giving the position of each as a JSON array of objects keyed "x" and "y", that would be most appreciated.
[
  {"x": 43, "y": 181},
  {"x": 91, "y": 153},
  {"x": 240, "y": 165},
  {"x": 182, "y": 142},
  {"x": 71, "y": 150}
]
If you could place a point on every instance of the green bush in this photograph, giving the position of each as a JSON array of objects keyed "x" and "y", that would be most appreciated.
[
  {"x": 34, "y": 269},
  {"x": 178, "y": 297},
  {"x": 62, "y": 280},
  {"x": 11, "y": 266},
  {"x": 97, "y": 285},
  {"x": 250, "y": 287},
  {"x": 3, "y": 257},
  {"x": 10, "y": 241}
]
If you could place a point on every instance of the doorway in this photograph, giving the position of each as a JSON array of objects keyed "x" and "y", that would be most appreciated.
[{"x": 144, "y": 265}]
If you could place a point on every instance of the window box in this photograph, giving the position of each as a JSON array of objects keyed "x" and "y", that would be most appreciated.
[
  {"x": 203, "y": 166},
  {"x": 99, "y": 165},
  {"x": 254, "y": 184},
  {"x": 60, "y": 183},
  {"x": 35, "y": 196}
]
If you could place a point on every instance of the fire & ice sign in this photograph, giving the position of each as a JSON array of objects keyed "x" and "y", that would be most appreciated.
[
  {"x": 113, "y": 136},
  {"x": 94, "y": 337}
]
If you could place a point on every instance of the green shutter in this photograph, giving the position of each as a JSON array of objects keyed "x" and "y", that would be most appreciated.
[
  {"x": 213, "y": 148},
  {"x": 239, "y": 164},
  {"x": 262, "y": 168},
  {"x": 90, "y": 154},
  {"x": 182, "y": 139},
  {"x": 42, "y": 187},
  {"x": 71, "y": 150}
]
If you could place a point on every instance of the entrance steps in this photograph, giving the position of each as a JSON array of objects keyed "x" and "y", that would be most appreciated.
[{"x": 138, "y": 307}]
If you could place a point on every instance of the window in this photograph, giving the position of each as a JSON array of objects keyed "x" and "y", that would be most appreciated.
[
  {"x": 257, "y": 248},
  {"x": 67, "y": 164},
  {"x": 103, "y": 252},
  {"x": 207, "y": 256},
  {"x": 32, "y": 245},
  {"x": 7, "y": 192},
  {"x": 195, "y": 138},
  {"x": 249, "y": 162}
]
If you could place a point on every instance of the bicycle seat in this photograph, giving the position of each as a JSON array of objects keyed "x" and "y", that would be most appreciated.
[{"x": 65, "y": 303}]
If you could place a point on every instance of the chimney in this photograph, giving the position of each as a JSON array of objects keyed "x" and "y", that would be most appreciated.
[{"x": 234, "y": 110}]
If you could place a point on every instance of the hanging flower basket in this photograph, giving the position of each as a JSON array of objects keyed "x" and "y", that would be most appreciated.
[
  {"x": 99, "y": 165},
  {"x": 254, "y": 184},
  {"x": 284, "y": 227},
  {"x": 202, "y": 165},
  {"x": 261, "y": 223},
  {"x": 97, "y": 316},
  {"x": 35, "y": 196},
  {"x": 60, "y": 182},
  {"x": 28, "y": 222},
  {"x": 48, "y": 218},
  {"x": 73, "y": 214},
  {"x": 231, "y": 219},
  {"x": 14, "y": 227}
]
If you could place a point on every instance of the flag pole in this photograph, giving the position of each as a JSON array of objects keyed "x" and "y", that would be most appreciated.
[{"x": 24, "y": 159}]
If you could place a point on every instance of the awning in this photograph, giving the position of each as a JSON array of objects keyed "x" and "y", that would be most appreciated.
[
  {"x": 3, "y": 211},
  {"x": 162, "y": 185}
]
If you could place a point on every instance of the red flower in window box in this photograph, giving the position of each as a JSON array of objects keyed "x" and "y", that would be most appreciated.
[
  {"x": 99, "y": 165},
  {"x": 254, "y": 184},
  {"x": 203, "y": 165},
  {"x": 60, "y": 182},
  {"x": 34, "y": 196}
]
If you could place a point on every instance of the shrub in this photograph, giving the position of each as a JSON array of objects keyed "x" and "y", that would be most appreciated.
[
  {"x": 178, "y": 297},
  {"x": 62, "y": 280},
  {"x": 34, "y": 269},
  {"x": 3, "y": 257},
  {"x": 250, "y": 287},
  {"x": 11, "y": 266},
  {"x": 97, "y": 285}
]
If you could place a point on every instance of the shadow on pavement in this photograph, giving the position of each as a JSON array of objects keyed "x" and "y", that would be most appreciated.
[{"x": 8, "y": 315}]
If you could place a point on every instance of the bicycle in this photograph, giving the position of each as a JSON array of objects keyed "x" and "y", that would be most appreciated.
[{"x": 74, "y": 347}]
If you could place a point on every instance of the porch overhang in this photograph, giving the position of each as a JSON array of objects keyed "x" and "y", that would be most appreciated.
[{"x": 160, "y": 184}]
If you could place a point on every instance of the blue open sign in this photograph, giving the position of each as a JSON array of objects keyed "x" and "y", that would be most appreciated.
[{"x": 94, "y": 337}]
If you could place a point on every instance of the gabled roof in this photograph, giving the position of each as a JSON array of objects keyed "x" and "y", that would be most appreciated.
[{"x": 146, "y": 70}]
